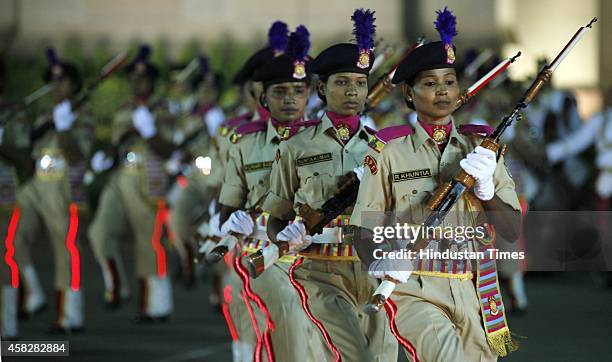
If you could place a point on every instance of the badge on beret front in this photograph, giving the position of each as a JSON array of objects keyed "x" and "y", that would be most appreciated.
[
  {"x": 299, "y": 70},
  {"x": 56, "y": 70},
  {"x": 450, "y": 53},
  {"x": 363, "y": 61},
  {"x": 141, "y": 67}
]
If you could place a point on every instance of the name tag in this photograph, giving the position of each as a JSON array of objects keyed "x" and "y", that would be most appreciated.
[
  {"x": 257, "y": 166},
  {"x": 313, "y": 159},
  {"x": 411, "y": 175}
]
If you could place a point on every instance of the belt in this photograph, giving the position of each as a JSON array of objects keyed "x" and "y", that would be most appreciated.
[
  {"x": 50, "y": 166},
  {"x": 133, "y": 159}
]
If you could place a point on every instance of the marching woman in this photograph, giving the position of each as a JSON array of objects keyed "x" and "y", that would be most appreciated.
[
  {"x": 442, "y": 303},
  {"x": 307, "y": 170}
]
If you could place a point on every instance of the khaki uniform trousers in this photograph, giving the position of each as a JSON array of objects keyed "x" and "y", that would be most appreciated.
[
  {"x": 295, "y": 337},
  {"x": 337, "y": 293},
  {"x": 440, "y": 317},
  {"x": 46, "y": 208}
]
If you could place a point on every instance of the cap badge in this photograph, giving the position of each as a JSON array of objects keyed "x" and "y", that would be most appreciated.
[
  {"x": 363, "y": 61},
  {"x": 299, "y": 70}
]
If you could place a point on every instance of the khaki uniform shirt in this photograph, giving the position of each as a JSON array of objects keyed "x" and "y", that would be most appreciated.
[
  {"x": 52, "y": 164},
  {"x": 247, "y": 171},
  {"x": 136, "y": 156},
  {"x": 310, "y": 167},
  {"x": 408, "y": 170}
]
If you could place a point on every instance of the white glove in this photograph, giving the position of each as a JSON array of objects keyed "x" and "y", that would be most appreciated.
[
  {"x": 481, "y": 165},
  {"x": 555, "y": 152},
  {"x": 173, "y": 165},
  {"x": 144, "y": 122},
  {"x": 603, "y": 185},
  {"x": 213, "y": 225},
  {"x": 392, "y": 268},
  {"x": 296, "y": 235},
  {"x": 239, "y": 222},
  {"x": 359, "y": 171},
  {"x": 63, "y": 116},
  {"x": 100, "y": 162}
]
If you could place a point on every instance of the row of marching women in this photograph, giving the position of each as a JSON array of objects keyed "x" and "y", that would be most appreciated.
[{"x": 281, "y": 202}]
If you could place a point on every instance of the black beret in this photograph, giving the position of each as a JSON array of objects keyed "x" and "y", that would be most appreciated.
[
  {"x": 426, "y": 57},
  {"x": 282, "y": 69},
  {"x": 249, "y": 68},
  {"x": 339, "y": 58},
  {"x": 63, "y": 69},
  {"x": 143, "y": 67}
]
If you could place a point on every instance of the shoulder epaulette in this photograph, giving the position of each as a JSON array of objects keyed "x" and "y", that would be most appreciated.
[
  {"x": 371, "y": 131},
  {"x": 248, "y": 128},
  {"x": 232, "y": 123},
  {"x": 468, "y": 129},
  {"x": 295, "y": 128},
  {"x": 380, "y": 139}
]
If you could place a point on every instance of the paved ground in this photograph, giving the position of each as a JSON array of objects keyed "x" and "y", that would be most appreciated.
[{"x": 569, "y": 319}]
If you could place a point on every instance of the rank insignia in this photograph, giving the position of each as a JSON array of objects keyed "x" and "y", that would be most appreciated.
[
  {"x": 235, "y": 137},
  {"x": 376, "y": 144},
  {"x": 371, "y": 163},
  {"x": 223, "y": 131}
]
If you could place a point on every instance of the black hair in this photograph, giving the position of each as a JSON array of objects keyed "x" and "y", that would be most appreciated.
[{"x": 322, "y": 97}]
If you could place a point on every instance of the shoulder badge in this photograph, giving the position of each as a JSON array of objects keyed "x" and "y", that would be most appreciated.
[
  {"x": 479, "y": 129},
  {"x": 379, "y": 140},
  {"x": 252, "y": 127},
  {"x": 248, "y": 128},
  {"x": 371, "y": 131},
  {"x": 232, "y": 123},
  {"x": 235, "y": 137},
  {"x": 295, "y": 128}
]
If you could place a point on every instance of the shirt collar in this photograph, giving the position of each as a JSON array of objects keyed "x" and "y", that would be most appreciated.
[
  {"x": 271, "y": 134},
  {"x": 326, "y": 124},
  {"x": 420, "y": 136}
]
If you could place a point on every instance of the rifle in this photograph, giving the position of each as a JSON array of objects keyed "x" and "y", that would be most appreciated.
[
  {"x": 384, "y": 86},
  {"x": 346, "y": 195},
  {"x": 106, "y": 71},
  {"x": 20, "y": 106},
  {"x": 447, "y": 195}
]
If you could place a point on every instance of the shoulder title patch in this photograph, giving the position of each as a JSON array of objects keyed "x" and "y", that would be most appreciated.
[{"x": 371, "y": 163}]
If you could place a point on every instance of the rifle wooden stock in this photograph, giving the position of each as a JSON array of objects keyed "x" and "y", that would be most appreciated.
[{"x": 380, "y": 90}]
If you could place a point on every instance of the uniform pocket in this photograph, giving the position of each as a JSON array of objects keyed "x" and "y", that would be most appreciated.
[
  {"x": 412, "y": 197},
  {"x": 317, "y": 186}
]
